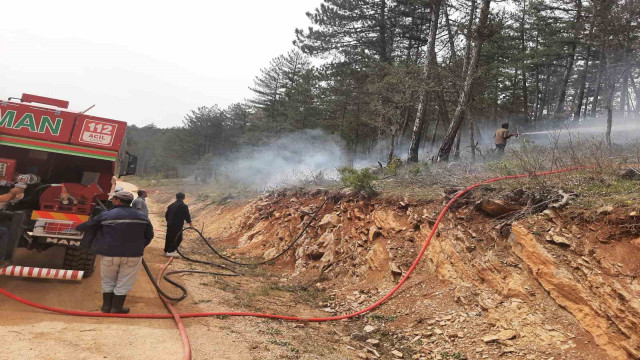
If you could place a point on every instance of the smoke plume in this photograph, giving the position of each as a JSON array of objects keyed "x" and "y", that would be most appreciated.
[{"x": 285, "y": 161}]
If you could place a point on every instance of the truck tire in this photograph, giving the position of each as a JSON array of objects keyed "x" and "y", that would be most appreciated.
[{"x": 80, "y": 259}]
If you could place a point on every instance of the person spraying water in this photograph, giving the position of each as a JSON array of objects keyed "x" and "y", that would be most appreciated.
[{"x": 500, "y": 138}]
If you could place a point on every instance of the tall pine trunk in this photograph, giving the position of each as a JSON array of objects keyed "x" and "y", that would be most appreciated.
[
  {"x": 452, "y": 46},
  {"x": 536, "y": 88},
  {"x": 565, "y": 79},
  {"x": 443, "y": 115},
  {"x": 583, "y": 82},
  {"x": 428, "y": 70},
  {"x": 456, "y": 152},
  {"x": 525, "y": 90},
  {"x": 392, "y": 146},
  {"x": 465, "y": 95},
  {"x": 596, "y": 95},
  {"x": 611, "y": 85},
  {"x": 610, "y": 113},
  {"x": 472, "y": 140},
  {"x": 545, "y": 95},
  {"x": 637, "y": 93},
  {"x": 571, "y": 57},
  {"x": 624, "y": 94}
]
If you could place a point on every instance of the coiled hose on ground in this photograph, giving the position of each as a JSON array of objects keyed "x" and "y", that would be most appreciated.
[{"x": 230, "y": 272}]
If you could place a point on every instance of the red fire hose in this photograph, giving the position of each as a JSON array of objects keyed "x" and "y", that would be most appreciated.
[{"x": 371, "y": 307}]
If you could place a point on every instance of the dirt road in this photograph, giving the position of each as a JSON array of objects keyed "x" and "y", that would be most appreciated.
[{"x": 35, "y": 334}]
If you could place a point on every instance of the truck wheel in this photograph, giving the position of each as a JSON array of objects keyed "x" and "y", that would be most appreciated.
[{"x": 80, "y": 259}]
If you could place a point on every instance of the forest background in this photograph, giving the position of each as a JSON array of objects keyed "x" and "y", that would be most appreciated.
[{"x": 416, "y": 80}]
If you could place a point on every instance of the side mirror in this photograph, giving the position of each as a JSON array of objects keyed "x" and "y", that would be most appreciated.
[{"x": 132, "y": 165}]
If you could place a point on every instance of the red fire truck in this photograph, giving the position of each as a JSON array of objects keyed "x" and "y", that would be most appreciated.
[{"x": 57, "y": 168}]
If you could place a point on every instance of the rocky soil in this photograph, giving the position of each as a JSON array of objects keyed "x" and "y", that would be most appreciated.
[
  {"x": 510, "y": 274},
  {"x": 516, "y": 283}
]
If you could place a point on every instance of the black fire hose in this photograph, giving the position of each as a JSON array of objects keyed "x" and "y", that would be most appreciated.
[{"x": 230, "y": 272}]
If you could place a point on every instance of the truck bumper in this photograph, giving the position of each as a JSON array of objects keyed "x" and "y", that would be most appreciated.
[{"x": 41, "y": 273}]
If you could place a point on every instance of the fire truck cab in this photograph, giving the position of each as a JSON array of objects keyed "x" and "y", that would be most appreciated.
[{"x": 57, "y": 168}]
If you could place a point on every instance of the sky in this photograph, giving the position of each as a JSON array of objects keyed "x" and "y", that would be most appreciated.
[{"x": 145, "y": 61}]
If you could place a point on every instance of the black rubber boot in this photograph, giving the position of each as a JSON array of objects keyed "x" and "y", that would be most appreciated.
[
  {"x": 116, "y": 305},
  {"x": 107, "y": 299}
]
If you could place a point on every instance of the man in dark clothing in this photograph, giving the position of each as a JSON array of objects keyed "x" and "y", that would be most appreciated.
[
  {"x": 120, "y": 236},
  {"x": 177, "y": 214},
  {"x": 4, "y": 243}
]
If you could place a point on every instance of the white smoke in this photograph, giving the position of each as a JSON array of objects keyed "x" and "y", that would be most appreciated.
[{"x": 287, "y": 160}]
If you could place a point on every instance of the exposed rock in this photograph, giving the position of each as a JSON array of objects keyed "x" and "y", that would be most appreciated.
[
  {"x": 348, "y": 192},
  {"x": 362, "y": 356},
  {"x": 254, "y": 234},
  {"x": 374, "y": 233},
  {"x": 270, "y": 253},
  {"x": 497, "y": 207},
  {"x": 389, "y": 220},
  {"x": 378, "y": 257},
  {"x": 369, "y": 329},
  {"x": 373, "y": 341},
  {"x": 395, "y": 269},
  {"x": 596, "y": 303},
  {"x": 359, "y": 336},
  {"x": 330, "y": 219},
  {"x": 553, "y": 215},
  {"x": 502, "y": 335},
  {"x": 605, "y": 210},
  {"x": 314, "y": 254},
  {"x": 375, "y": 353},
  {"x": 559, "y": 240},
  {"x": 631, "y": 349},
  {"x": 397, "y": 354}
]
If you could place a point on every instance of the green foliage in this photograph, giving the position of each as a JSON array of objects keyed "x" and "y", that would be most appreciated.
[
  {"x": 382, "y": 318},
  {"x": 502, "y": 167},
  {"x": 361, "y": 180},
  {"x": 455, "y": 355},
  {"x": 278, "y": 342},
  {"x": 392, "y": 167},
  {"x": 285, "y": 94},
  {"x": 415, "y": 170}
]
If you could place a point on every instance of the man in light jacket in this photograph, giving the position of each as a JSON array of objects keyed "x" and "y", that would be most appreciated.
[
  {"x": 501, "y": 136},
  {"x": 140, "y": 203}
]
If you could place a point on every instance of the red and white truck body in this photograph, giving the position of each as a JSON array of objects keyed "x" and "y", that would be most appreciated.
[{"x": 73, "y": 157}]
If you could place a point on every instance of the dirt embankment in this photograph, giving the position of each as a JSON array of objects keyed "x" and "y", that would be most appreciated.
[
  {"x": 553, "y": 287},
  {"x": 562, "y": 284}
]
